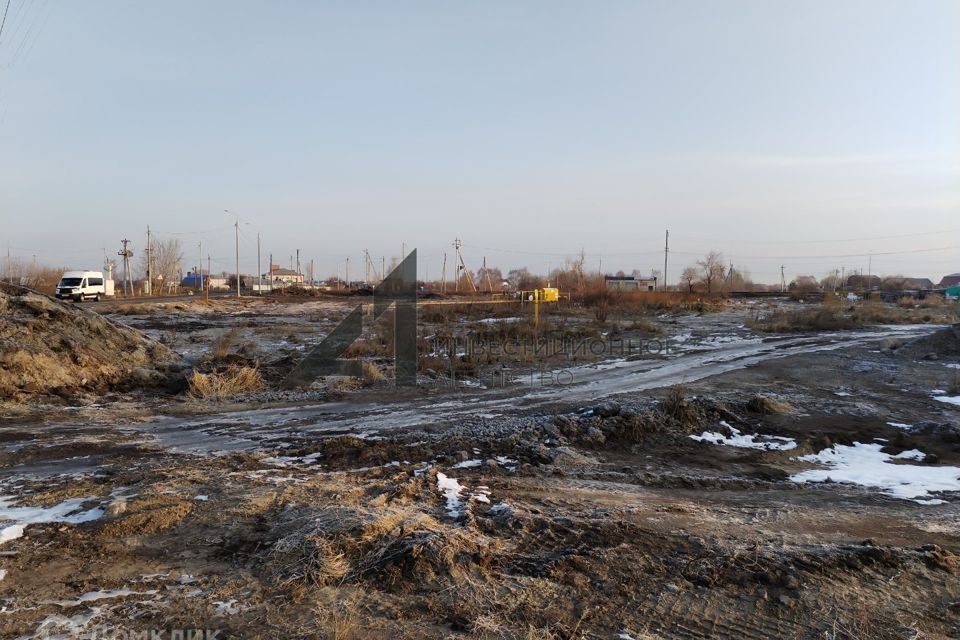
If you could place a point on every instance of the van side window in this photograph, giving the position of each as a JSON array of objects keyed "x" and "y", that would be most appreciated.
[
  {"x": 95, "y": 282},
  {"x": 83, "y": 284}
]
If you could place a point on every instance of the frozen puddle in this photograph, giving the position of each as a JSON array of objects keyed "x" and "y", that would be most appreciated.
[
  {"x": 13, "y": 520},
  {"x": 754, "y": 441},
  {"x": 955, "y": 400},
  {"x": 453, "y": 491},
  {"x": 866, "y": 465}
]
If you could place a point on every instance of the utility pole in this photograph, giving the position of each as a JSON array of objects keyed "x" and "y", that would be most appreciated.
[
  {"x": 208, "y": 274},
  {"x": 783, "y": 280},
  {"x": 149, "y": 287},
  {"x": 298, "y": 262},
  {"x": 366, "y": 266},
  {"x": 259, "y": 271},
  {"x": 311, "y": 272},
  {"x": 443, "y": 277},
  {"x": 346, "y": 275},
  {"x": 486, "y": 274},
  {"x": 666, "y": 251},
  {"x": 200, "y": 267},
  {"x": 236, "y": 229},
  {"x": 270, "y": 272},
  {"x": 462, "y": 266},
  {"x": 126, "y": 253}
]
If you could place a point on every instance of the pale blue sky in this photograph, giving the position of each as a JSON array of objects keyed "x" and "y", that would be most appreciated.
[{"x": 775, "y": 132}]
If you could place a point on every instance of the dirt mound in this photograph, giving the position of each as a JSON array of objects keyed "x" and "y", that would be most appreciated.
[
  {"x": 51, "y": 348},
  {"x": 942, "y": 343}
]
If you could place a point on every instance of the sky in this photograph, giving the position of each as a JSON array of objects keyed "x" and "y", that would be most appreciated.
[{"x": 817, "y": 135}]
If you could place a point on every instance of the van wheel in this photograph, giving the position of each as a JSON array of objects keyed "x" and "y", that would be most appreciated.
[
  {"x": 96, "y": 298},
  {"x": 79, "y": 298}
]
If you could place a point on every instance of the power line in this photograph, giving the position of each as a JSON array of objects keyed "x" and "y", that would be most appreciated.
[{"x": 4, "y": 20}]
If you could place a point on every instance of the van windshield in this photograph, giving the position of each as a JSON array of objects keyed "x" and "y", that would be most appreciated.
[{"x": 70, "y": 282}]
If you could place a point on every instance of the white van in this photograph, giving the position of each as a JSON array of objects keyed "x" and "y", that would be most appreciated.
[{"x": 81, "y": 285}]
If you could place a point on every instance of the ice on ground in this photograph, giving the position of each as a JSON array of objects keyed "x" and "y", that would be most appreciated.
[
  {"x": 228, "y": 608},
  {"x": 91, "y": 596},
  {"x": 842, "y": 394},
  {"x": 451, "y": 490},
  {"x": 952, "y": 366},
  {"x": 3, "y": 574},
  {"x": 948, "y": 399},
  {"x": 68, "y": 511},
  {"x": 912, "y": 454},
  {"x": 201, "y": 497},
  {"x": 501, "y": 507},
  {"x": 754, "y": 441},
  {"x": 467, "y": 464},
  {"x": 60, "y": 626},
  {"x": 866, "y": 465},
  {"x": 496, "y": 320},
  {"x": 901, "y": 425}
]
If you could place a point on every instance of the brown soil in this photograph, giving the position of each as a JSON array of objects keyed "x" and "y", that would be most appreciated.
[{"x": 52, "y": 348}]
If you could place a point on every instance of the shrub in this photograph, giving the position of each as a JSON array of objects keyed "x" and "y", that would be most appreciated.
[{"x": 221, "y": 385}]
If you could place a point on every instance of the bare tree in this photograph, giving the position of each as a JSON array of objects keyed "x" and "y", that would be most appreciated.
[
  {"x": 689, "y": 276},
  {"x": 166, "y": 257},
  {"x": 712, "y": 268}
]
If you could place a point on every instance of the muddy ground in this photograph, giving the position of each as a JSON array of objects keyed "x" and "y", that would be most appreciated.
[{"x": 570, "y": 508}]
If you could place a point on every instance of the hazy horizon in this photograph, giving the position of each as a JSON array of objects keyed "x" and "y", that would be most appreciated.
[{"x": 811, "y": 135}]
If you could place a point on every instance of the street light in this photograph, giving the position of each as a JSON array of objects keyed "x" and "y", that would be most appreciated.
[{"x": 236, "y": 227}]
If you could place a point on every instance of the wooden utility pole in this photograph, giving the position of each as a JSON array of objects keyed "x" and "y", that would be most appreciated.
[
  {"x": 346, "y": 275},
  {"x": 208, "y": 273},
  {"x": 783, "y": 280},
  {"x": 259, "y": 272},
  {"x": 443, "y": 277},
  {"x": 200, "y": 266},
  {"x": 149, "y": 288},
  {"x": 462, "y": 266},
  {"x": 236, "y": 228},
  {"x": 666, "y": 251},
  {"x": 126, "y": 253}
]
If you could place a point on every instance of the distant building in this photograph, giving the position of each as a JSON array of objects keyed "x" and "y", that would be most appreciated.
[
  {"x": 280, "y": 276},
  {"x": 194, "y": 280},
  {"x": 951, "y": 280},
  {"x": 906, "y": 284},
  {"x": 630, "y": 283},
  {"x": 861, "y": 282}
]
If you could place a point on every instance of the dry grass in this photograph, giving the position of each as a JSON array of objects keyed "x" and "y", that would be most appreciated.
[
  {"x": 676, "y": 406},
  {"x": 768, "y": 405},
  {"x": 223, "y": 344},
  {"x": 818, "y": 319},
  {"x": 371, "y": 372},
  {"x": 310, "y": 559},
  {"x": 221, "y": 385}
]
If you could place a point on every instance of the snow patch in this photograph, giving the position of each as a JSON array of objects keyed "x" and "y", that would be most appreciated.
[
  {"x": 68, "y": 511},
  {"x": 754, "y": 441},
  {"x": 901, "y": 425},
  {"x": 948, "y": 399},
  {"x": 451, "y": 490},
  {"x": 467, "y": 464},
  {"x": 92, "y": 596},
  {"x": 866, "y": 465}
]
